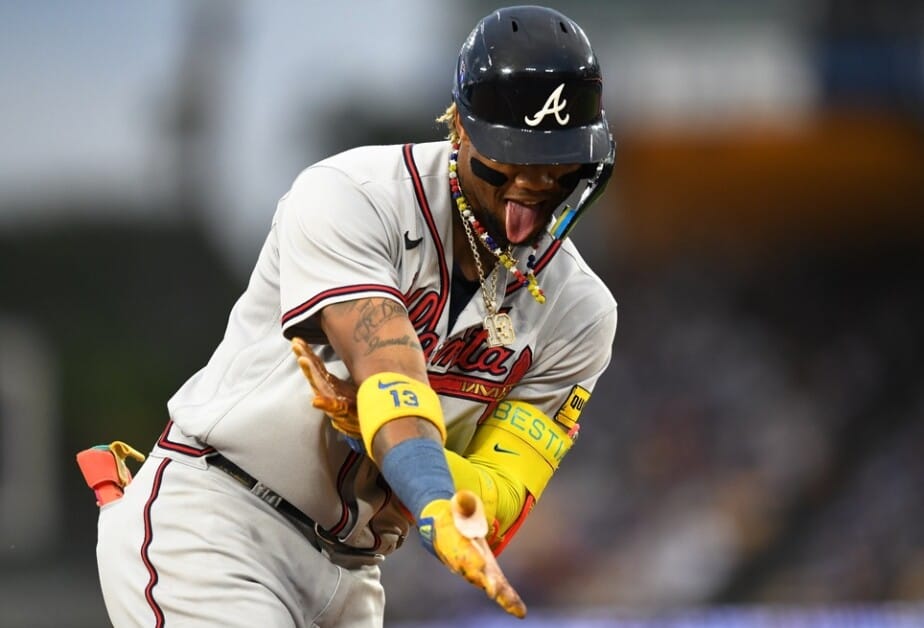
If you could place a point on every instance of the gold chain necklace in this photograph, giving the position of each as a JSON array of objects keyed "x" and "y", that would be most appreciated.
[
  {"x": 504, "y": 256},
  {"x": 498, "y": 324}
]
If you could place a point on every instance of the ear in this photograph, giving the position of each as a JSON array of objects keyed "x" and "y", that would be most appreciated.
[{"x": 460, "y": 130}]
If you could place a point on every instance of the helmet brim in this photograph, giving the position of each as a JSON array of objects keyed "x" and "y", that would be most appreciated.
[{"x": 510, "y": 145}]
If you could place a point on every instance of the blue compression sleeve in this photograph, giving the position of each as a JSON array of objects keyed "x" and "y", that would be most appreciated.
[{"x": 416, "y": 470}]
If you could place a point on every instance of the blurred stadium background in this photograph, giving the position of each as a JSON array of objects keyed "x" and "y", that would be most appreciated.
[{"x": 755, "y": 454}]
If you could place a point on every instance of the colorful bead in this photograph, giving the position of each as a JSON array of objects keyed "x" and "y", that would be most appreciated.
[{"x": 509, "y": 262}]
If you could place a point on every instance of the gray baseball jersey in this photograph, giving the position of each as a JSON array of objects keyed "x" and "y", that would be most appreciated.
[{"x": 377, "y": 221}]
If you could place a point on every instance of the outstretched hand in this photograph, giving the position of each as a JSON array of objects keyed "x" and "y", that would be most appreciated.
[{"x": 454, "y": 530}]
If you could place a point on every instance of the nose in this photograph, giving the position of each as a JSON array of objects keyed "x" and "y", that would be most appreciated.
[{"x": 536, "y": 178}]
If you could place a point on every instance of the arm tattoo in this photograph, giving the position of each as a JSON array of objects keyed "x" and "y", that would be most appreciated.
[
  {"x": 373, "y": 314},
  {"x": 405, "y": 341}
]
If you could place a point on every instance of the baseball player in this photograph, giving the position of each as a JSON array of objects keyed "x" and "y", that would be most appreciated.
[{"x": 451, "y": 335}]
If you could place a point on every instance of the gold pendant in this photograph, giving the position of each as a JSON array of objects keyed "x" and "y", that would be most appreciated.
[{"x": 500, "y": 330}]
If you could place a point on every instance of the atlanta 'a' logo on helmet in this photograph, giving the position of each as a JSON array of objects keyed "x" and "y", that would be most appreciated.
[{"x": 554, "y": 105}]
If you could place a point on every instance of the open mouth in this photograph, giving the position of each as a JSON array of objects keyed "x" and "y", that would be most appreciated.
[{"x": 523, "y": 220}]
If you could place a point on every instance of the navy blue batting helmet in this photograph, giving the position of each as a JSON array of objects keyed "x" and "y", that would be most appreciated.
[{"x": 529, "y": 89}]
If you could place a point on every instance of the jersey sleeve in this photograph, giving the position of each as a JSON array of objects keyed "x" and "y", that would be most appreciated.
[{"x": 336, "y": 243}]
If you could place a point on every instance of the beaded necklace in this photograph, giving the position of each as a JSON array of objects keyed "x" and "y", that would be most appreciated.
[
  {"x": 498, "y": 324},
  {"x": 469, "y": 221}
]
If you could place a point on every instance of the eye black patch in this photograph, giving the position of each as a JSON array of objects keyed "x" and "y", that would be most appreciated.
[{"x": 486, "y": 173}]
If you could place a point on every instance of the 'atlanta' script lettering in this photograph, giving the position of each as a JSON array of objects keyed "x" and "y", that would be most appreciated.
[
  {"x": 465, "y": 354},
  {"x": 469, "y": 352}
]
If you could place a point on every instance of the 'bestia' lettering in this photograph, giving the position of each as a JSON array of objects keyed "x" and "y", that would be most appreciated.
[{"x": 533, "y": 426}]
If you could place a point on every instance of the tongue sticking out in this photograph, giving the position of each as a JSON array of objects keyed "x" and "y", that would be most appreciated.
[{"x": 522, "y": 221}]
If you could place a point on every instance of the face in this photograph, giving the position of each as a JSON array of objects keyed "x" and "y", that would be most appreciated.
[{"x": 518, "y": 208}]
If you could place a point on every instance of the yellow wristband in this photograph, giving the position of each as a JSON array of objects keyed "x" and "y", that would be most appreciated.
[{"x": 387, "y": 396}]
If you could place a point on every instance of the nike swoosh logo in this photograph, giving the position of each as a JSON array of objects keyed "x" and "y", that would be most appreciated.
[
  {"x": 501, "y": 450},
  {"x": 411, "y": 244},
  {"x": 384, "y": 385}
]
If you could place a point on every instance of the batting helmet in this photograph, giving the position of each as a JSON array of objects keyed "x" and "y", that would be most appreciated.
[{"x": 528, "y": 89}]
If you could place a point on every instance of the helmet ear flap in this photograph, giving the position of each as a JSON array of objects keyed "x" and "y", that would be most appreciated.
[
  {"x": 587, "y": 171},
  {"x": 571, "y": 180},
  {"x": 595, "y": 186}
]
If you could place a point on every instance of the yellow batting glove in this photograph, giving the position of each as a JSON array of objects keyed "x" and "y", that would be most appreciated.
[
  {"x": 454, "y": 530},
  {"x": 332, "y": 395}
]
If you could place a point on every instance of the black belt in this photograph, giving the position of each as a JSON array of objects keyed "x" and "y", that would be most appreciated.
[{"x": 306, "y": 524}]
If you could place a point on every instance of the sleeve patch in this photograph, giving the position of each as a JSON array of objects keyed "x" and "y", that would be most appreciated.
[{"x": 570, "y": 411}]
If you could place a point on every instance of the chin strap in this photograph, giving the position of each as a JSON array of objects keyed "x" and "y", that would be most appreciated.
[{"x": 569, "y": 216}]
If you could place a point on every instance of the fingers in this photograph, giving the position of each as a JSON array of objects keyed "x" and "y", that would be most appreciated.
[
  {"x": 312, "y": 367},
  {"x": 491, "y": 578},
  {"x": 300, "y": 347},
  {"x": 332, "y": 395},
  {"x": 496, "y": 584},
  {"x": 474, "y": 559}
]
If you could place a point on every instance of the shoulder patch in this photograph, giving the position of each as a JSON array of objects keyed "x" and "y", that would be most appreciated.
[{"x": 570, "y": 411}]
